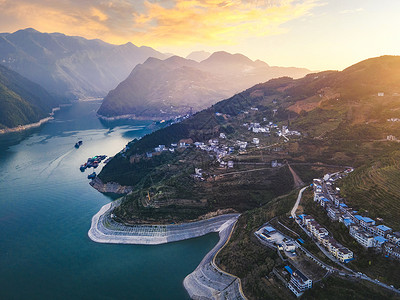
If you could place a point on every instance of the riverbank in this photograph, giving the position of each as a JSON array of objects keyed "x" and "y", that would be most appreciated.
[
  {"x": 105, "y": 230},
  {"x": 207, "y": 281},
  {"x": 131, "y": 117},
  {"x": 32, "y": 125}
]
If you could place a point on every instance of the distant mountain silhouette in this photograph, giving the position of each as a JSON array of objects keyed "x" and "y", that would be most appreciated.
[
  {"x": 198, "y": 55},
  {"x": 70, "y": 66},
  {"x": 170, "y": 87}
]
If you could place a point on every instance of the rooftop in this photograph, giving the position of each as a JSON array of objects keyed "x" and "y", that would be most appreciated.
[
  {"x": 380, "y": 239},
  {"x": 383, "y": 227}
]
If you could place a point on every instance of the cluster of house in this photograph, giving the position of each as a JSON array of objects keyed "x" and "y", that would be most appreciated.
[
  {"x": 299, "y": 282},
  {"x": 322, "y": 235},
  {"x": 363, "y": 229}
]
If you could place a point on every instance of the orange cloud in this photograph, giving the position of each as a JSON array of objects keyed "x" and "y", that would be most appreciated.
[
  {"x": 156, "y": 23},
  {"x": 215, "y": 21}
]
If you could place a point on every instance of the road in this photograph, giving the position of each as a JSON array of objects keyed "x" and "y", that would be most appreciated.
[{"x": 296, "y": 205}]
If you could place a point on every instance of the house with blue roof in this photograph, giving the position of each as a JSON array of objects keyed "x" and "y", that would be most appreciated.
[
  {"x": 324, "y": 202},
  {"x": 383, "y": 230},
  {"x": 347, "y": 221},
  {"x": 379, "y": 241}
]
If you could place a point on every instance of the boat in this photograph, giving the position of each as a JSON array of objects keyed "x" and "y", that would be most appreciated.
[
  {"x": 78, "y": 144},
  {"x": 92, "y": 176}
]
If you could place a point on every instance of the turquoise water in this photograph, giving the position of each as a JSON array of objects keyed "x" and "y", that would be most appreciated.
[{"x": 46, "y": 206}]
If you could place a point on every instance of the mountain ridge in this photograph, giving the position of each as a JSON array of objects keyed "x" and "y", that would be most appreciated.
[
  {"x": 177, "y": 85},
  {"x": 70, "y": 66}
]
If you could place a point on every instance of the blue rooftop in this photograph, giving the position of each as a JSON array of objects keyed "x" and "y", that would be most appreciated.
[
  {"x": 380, "y": 239},
  {"x": 348, "y": 222},
  {"x": 383, "y": 227},
  {"x": 343, "y": 205},
  {"x": 269, "y": 228},
  {"x": 302, "y": 216},
  {"x": 368, "y": 220},
  {"x": 365, "y": 219},
  {"x": 289, "y": 270},
  {"x": 325, "y": 200}
]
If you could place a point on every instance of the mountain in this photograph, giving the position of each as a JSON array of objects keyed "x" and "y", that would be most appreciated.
[
  {"x": 257, "y": 146},
  {"x": 340, "y": 116},
  {"x": 167, "y": 88},
  {"x": 198, "y": 55},
  {"x": 22, "y": 101},
  {"x": 70, "y": 66}
]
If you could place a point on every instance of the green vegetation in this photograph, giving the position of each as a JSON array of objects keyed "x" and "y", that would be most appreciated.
[
  {"x": 338, "y": 288},
  {"x": 375, "y": 188},
  {"x": 22, "y": 101}
]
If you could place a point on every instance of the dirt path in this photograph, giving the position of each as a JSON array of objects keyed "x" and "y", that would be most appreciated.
[{"x": 297, "y": 180}]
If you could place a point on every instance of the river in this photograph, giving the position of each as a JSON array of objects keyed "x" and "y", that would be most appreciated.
[{"x": 46, "y": 206}]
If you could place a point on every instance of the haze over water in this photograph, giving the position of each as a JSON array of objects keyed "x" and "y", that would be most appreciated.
[{"x": 46, "y": 206}]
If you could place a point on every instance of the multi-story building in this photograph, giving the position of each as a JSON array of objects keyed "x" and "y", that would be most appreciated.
[
  {"x": 394, "y": 238},
  {"x": 333, "y": 213},
  {"x": 364, "y": 221},
  {"x": 299, "y": 283},
  {"x": 383, "y": 230},
  {"x": 307, "y": 219},
  {"x": 362, "y": 237},
  {"x": 392, "y": 250}
]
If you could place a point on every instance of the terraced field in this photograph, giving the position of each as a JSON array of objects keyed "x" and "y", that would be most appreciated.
[{"x": 376, "y": 188}]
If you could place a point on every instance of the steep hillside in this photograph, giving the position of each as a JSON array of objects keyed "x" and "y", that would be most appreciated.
[
  {"x": 314, "y": 123},
  {"x": 171, "y": 87},
  {"x": 70, "y": 66},
  {"x": 375, "y": 188},
  {"x": 22, "y": 101}
]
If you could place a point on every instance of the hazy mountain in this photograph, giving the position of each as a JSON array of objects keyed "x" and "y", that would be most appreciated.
[
  {"x": 166, "y": 88},
  {"x": 198, "y": 55},
  {"x": 21, "y": 100},
  {"x": 70, "y": 66}
]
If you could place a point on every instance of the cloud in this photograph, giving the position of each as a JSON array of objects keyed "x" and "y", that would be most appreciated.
[
  {"x": 156, "y": 22},
  {"x": 352, "y": 11}
]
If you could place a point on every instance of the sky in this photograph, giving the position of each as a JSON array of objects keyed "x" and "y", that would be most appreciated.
[{"x": 316, "y": 34}]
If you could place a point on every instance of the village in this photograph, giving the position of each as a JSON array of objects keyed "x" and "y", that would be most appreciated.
[{"x": 296, "y": 276}]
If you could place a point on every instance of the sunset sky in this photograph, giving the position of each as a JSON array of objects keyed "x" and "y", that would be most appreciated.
[{"x": 317, "y": 34}]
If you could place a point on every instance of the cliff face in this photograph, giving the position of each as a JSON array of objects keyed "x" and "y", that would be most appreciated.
[{"x": 110, "y": 187}]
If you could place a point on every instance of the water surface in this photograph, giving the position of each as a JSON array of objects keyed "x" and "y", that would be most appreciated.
[{"x": 46, "y": 206}]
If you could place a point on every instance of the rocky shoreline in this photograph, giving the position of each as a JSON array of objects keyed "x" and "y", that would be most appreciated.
[{"x": 110, "y": 187}]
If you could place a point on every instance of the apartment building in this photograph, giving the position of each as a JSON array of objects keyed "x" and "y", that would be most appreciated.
[
  {"x": 299, "y": 283},
  {"x": 362, "y": 237}
]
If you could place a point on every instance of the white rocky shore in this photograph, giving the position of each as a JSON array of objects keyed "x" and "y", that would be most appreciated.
[{"x": 207, "y": 281}]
